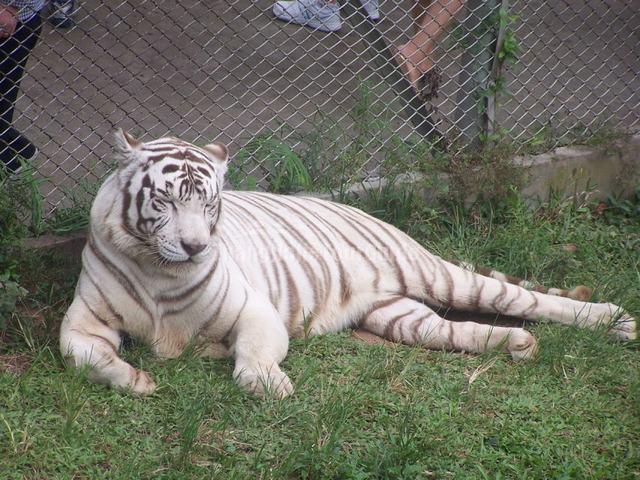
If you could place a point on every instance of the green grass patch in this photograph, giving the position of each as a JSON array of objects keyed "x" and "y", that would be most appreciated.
[{"x": 359, "y": 411}]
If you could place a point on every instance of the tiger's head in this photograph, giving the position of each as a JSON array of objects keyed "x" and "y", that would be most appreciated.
[{"x": 168, "y": 200}]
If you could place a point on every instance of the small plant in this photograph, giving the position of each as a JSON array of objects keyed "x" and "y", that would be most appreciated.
[
  {"x": 240, "y": 180},
  {"x": 10, "y": 293},
  {"x": 484, "y": 173},
  {"x": 542, "y": 139},
  {"x": 392, "y": 202},
  {"x": 320, "y": 150},
  {"x": 281, "y": 167},
  {"x": 505, "y": 55},
  {"x": 624, "y": 214},
  {"x": 72, "y": 401},
  {"x": 76, "y": 216},
  {"x": 600, "y": 134},
  {"x": 189, "y": 424},
  {"x": 627, "y": 208},
  {"x": 13, "y": 195},
  {"x": 510, "y": 48},
  {"x": 402, "y": 454},
  {"x": 336, "y": 157}
]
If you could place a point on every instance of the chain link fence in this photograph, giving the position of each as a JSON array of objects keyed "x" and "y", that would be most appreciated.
[{"x": 322, "y": 107}]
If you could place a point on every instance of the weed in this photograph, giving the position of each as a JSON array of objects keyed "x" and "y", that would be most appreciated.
[
  {"x": 73, "y": 400},
  {"x": 333, "y": 164},
  {"x": 600, "y": 133},
  {"x": 620, "y": 210},
  {"x": 10, "y": 293},
  {"x": 75, "y": 217},
  {"x": 279, "y": 165},
  {"x": 326, "y": 158},
  {"x": 15, "y": 193},
  {"x": 189, "y": 426},
  {"x": 485, "y": 172},
  {"x": 401, "y": 455},
  {"x": 391, "y": 202}
]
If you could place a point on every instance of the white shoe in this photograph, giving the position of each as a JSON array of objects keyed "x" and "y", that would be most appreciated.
[
  {"x": 371, "y": 6},
  {"x": 316, "y": 14}
]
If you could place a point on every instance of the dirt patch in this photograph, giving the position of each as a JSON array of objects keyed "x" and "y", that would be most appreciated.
[{"x": 15, "y": 364}]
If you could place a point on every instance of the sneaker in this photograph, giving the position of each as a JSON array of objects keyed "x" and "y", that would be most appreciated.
[
  {"x": 316, "y": 14},
  {"x": 371, "y": 7},
  {"x": 61, "y": 13}
]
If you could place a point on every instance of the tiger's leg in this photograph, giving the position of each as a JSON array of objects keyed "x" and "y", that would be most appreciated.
[
  {"x": 469, "y": 291},
  {"x": 408, "y": 321},
  {"x": 261, "y": 343},
  {"x": 86, "y": 340},
  {"x": 580, "y": 292}
]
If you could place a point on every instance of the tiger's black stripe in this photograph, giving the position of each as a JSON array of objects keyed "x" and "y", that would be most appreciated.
[{"x": 126, "y": 284}]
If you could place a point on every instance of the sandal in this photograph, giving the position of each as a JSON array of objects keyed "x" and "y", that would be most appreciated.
[{"x": 426, "y": 84}]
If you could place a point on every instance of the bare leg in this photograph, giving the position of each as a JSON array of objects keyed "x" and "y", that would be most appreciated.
[
  {"x": 418, "y": 11},
  {"x": 431, "y": 18},
  {"x": 85, "y": 340},
  {"x": 408, "y": 321}
]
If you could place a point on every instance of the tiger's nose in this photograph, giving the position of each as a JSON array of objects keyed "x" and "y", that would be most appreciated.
[{"x": 192, "y": 249}]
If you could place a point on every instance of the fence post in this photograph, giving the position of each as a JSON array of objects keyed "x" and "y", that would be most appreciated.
[
  {"x": 496, "y": 67},
  {"x": 474, "y": 114}
]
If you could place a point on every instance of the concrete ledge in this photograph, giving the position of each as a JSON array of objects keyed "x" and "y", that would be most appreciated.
[
  {"x": 71, "y": 244},
  {"x": 612, "y": 169}
]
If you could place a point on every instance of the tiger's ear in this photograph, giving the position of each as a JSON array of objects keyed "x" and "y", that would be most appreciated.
[
  {"x": 126, "y": 147},
  {"x": 219, "y": 153}
]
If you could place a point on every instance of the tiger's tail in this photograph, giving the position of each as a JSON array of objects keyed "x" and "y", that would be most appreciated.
[{"x": 581, "y": 292}]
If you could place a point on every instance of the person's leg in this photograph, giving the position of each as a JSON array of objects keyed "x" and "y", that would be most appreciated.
[
  {"x": 418, "y": 10},
  {"x": 431, "y": 19},
  {"x": 14, "y": 52}
]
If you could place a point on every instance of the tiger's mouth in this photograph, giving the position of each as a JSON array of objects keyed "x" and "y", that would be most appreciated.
[
  {"x": 172, "y": 258},
  {"x": 172, "y": 255},
  {"x": 174, "y": 266},
  {"x": 177, "y": 261}
]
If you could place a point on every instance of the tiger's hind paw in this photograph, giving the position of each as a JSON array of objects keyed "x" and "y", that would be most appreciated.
[
  {"x": 625, "y": 328},
  {"x": 140, "y": 383},
  {"x": 522, "y": 346}
]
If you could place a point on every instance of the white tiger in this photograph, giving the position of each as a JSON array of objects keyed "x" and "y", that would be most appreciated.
[{"x": 171, "y": 259}]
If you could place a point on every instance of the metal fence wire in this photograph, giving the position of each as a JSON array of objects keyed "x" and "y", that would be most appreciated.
[{"x": 332, "y": 106}]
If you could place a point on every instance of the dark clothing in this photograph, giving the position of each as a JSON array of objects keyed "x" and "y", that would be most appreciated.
[{"x": 14, "y": 52}]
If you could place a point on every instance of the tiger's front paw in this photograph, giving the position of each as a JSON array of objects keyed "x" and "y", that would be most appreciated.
[
  {"x": 264, "y": 381},
  {"x": 140, "y": 383}
]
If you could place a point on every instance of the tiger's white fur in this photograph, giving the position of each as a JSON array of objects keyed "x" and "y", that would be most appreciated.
[{"x": 172, "y": 259}]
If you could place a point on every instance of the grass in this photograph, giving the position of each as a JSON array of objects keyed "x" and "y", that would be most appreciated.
[{"x": 360, "y": 411}]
